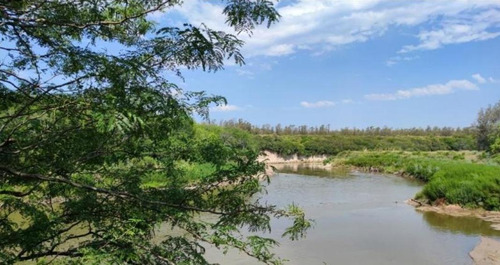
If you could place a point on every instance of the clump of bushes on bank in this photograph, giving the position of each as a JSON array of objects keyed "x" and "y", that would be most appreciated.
[
  {"x": 466, "y": 184},
  {"x": 463, "y": 181}
]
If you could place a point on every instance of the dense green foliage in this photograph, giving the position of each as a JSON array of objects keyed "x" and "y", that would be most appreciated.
[
  {"x": 488, "y": 128},
  {"x": 334, "y": 144},
  {"x": 98, "y": 148},
  {"x": 307, "y": 141},
  {"x": 462, "y": 178}
]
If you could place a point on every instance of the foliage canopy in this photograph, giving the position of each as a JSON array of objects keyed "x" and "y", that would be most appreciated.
[{"x": 98, "y": 147}]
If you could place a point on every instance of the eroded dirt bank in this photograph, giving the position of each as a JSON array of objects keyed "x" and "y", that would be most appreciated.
[
  {"x": 455, "y": 210},
  {"x": 273, "y": 158}
]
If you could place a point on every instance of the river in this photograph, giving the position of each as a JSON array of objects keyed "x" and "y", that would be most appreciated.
[{"x": 362, "y": 219}]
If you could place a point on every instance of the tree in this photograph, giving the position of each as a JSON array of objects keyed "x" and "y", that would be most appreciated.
[
  {"x": 97, "y": 146},
  {"x": 487, "y": 126}
]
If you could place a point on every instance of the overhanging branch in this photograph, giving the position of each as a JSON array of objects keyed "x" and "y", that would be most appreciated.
[{"x": 116, "y": 194}]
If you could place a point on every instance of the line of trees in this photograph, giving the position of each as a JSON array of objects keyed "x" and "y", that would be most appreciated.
[
  {"x": 484, "y": 135},
  {"x": 326, "y": 130},
  {"x": 334, "y": 143}
]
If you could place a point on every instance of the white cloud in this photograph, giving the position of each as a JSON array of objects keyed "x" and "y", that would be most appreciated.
[
  {"x": 279, "y": 50},
  {"x": 479, "y": 78},
  {"x": 317, "y": 104},
  {"x": 246, "y": 73},
  {"x": 430, "y": 90},
  {"x": 396, "y": 59},
  {"x": 347, "y": 101},
  {"x": 225, "y": 108},
  {"x": 492, "y": 80},
  {"x": 480, "y": 27},
  {"x": 320, "y": 26}
]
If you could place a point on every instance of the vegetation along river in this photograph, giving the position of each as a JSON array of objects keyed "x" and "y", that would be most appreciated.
[{"x": 362, "y": 219}]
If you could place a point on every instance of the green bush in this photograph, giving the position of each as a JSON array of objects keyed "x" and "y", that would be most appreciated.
[{"x": 472, "y": 185}]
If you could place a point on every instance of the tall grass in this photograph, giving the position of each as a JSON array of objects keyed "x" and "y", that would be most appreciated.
[{"x": 466, "y": 184}]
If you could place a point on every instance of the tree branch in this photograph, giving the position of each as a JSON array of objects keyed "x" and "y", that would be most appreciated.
[
  {"x": 68, "y": 253},
  {"x": 116, "y": 194}
]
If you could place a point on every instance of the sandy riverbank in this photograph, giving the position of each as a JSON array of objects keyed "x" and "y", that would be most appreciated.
[
  {"x": 273, "y": 158},
  {"x": 487, "y": 252},
  {"x": 455, "y": 210},
  {"x": 274, "y": 161}
]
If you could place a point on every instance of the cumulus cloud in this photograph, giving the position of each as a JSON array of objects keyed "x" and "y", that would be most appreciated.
[
  {"x": 479, "y": 78},
  {"x": 430, "y": 90},
  {"x": 317, "y": 104},
  {"x": 323, "y": 25},
  {"x": 225, "y": 108}
]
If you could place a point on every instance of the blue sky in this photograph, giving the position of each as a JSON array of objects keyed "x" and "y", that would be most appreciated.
[{"x": 358, "y": 63}]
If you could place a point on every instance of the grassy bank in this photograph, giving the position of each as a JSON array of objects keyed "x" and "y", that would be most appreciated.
[{"x": 465, "y": 178}]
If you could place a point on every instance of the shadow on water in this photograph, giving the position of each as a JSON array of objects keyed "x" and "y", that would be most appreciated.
[
  {"x": 313, "y": 169},
  {"x": 459, "y": 225}
]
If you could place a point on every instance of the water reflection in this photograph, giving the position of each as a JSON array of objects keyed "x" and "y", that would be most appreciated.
[
  {"x": 459, "y": 225},
  {"x": 313, "y": 169}
]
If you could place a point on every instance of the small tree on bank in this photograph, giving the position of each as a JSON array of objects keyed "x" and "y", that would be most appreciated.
[
  {"x": 488, "y": 127},
  {"x": 96, "y": 146}
]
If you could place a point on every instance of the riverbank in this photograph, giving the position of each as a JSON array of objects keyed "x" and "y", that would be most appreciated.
[
  {"x": 463, "y": 178},
  {"x": 487, "y": 252},
  {"x": 450, "y": 178},
  {"x": 492, "y": 217},
  {"x": 456, "y": 183},
  {"x": 274, "y": 158},
  {"x": 275, "y": 161}
]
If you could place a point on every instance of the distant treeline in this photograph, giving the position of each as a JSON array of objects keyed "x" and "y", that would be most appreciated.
[
  {"x": 279, "y": 129},
  {"x": 303, "y": 140},
  {"x": 334, "y": 144}
]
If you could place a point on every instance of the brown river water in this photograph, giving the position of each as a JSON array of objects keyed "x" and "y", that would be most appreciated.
[{"x": 362, "y": 219}]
